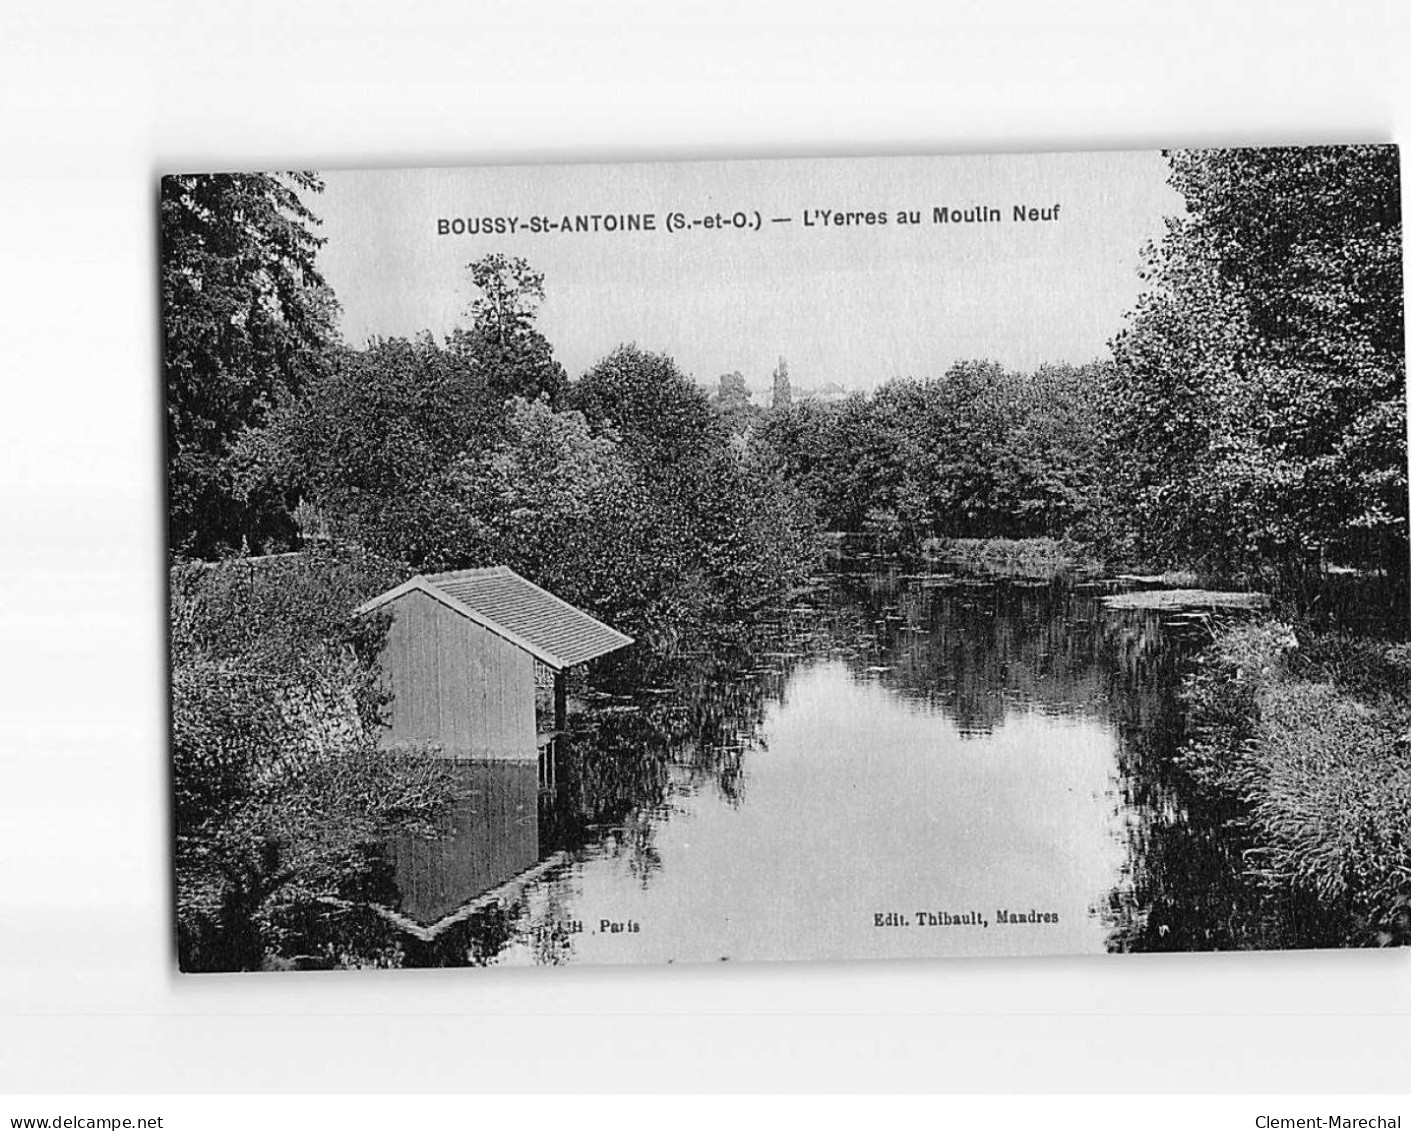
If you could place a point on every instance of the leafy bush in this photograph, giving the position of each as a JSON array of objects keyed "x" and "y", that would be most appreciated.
[
  {"x": 281, "y": 789},
  {"x": 1311, "y": 734}
]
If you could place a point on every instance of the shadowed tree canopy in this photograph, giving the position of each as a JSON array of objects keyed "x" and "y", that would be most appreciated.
[
  {"x": 980, "y": 451},
  {"x": 1260, "y": 402},
  {"x": 371, "y": 440},
  {"x": 247, "y": 319}
]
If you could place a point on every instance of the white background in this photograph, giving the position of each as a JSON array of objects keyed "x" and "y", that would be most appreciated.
[{"x": 96, "y": 100}]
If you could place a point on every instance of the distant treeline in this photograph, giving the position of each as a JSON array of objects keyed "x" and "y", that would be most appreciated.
[{"x": 979, "y": 452}]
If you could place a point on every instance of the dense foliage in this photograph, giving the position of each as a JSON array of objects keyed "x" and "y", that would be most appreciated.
[
  {"x": 1310, "y": 733},
  {"x": 502, "y": 345},
  {"x": 621, "y": 491},
  {"x": 1259, "y": 407},
  {"x": 979, "y": 452},
  {"x": 246, "y": 319},
  {"x": 281, "y": 789}
]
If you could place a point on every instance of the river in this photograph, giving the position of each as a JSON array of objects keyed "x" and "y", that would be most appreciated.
[{"x": 892, "y": 765}]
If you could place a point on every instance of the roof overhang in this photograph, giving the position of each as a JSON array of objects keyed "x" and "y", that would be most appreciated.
[{"x": 420, "y": 584}]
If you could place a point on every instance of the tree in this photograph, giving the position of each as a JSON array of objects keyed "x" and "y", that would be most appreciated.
[
  {"x": 661, "y": 415},
  {"x": 720, "y": 528},
  {"x": 783, "y": 392},
  {"x": 371, "y": 443},
  {"x": 1260, "y": 383},
  {"x": 980, "y": 451},
  {"x": 283, "y": 795},
  {"x": 1058, "y": 439},
  {"x": 533, "y": 496},
  {"x": 246, "y": 319},
  {"x": 510, "y": 355},
  {"x": 733, "y": 392}
]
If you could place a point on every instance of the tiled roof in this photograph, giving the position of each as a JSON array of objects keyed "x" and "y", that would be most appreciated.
[{"x": 546, "y": 626}]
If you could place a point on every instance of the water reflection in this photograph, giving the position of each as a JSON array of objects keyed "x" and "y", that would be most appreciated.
[
  {"x": 882, "y": 745},
  {"x": 490, "y": 836}
]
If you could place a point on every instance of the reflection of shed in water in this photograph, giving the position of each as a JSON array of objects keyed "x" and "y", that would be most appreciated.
[
  {"x": 475, "y": 660},
  {"x": 489, "y": 837}
]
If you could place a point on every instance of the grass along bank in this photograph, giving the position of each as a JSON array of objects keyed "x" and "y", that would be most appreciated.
[{"x": 1309, "y": 731}]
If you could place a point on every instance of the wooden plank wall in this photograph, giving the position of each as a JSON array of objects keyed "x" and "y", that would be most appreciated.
[{"x": 457, "y": 684}]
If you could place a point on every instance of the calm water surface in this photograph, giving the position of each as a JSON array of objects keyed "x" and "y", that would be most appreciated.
[{"x": 889, "y": 749}]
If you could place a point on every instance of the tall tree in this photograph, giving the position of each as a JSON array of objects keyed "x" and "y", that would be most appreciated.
[
  {"x": 247, "y": 317},
  {"x": 783, "y": 391},
  {"x": 717, "y": 519},
  {"x": 1261, "y": 380},
  {"x": 503, "y": 343}
]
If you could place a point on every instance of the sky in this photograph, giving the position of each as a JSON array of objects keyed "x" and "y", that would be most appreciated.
[{"x": 854, "y": 304}]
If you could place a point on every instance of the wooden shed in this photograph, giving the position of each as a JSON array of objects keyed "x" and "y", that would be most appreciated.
[{"x": 475, "y": 661}]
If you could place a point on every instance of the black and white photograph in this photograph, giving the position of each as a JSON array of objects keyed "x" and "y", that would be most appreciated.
[
  {"x": 787, "y": 559},
  {"x": 731, "y": 563}
]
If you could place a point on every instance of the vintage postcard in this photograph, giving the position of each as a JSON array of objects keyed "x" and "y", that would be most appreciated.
[{"x": 804, "y": 559}]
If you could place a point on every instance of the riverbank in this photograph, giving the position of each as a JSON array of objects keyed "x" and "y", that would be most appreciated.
[
  {"x": 1025, "y": 556},
  {"x": 1308, "y": 731},
  {"x": 283, "y": 794}
]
